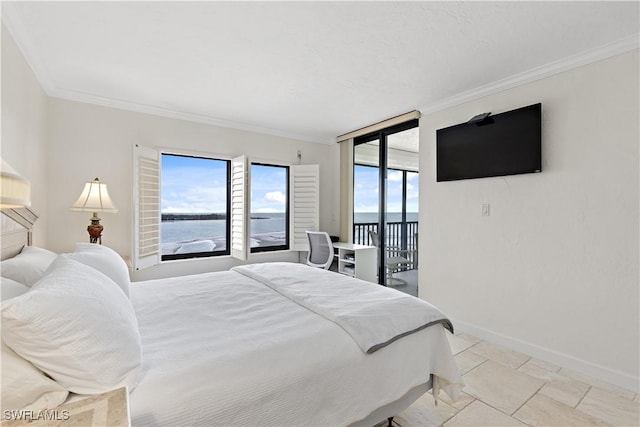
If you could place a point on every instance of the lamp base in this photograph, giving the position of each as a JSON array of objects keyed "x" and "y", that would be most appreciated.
[{"x": 95, "y": 229}]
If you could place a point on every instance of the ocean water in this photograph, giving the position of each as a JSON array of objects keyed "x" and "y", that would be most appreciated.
[
  {"x": 369, "y": 217},
  {"x": 183, "y": 231}
]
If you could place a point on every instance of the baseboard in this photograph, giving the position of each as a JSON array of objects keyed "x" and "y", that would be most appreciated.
[{"x": 602, "y": 373}]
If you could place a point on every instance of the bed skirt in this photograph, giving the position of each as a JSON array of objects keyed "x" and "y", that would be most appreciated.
[{"x": 394, "y": 408}]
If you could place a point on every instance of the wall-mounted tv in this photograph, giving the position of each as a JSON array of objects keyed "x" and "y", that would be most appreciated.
[{"x": 491, "y": 145}]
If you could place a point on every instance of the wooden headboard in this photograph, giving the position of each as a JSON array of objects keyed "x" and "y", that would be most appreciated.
[{"x": 16, "y": 225}]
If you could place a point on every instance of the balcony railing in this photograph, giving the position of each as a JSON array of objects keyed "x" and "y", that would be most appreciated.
[{"x": 398, "y": 234}]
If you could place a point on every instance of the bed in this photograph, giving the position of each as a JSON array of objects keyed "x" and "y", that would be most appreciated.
[{"x": 265, "y": 344}]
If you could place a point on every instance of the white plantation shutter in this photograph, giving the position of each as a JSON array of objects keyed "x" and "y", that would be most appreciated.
[
  {"x": 239, "y": 208},
  {"x": 146, "y": 194},
  {"x": 305, "y": 204}
]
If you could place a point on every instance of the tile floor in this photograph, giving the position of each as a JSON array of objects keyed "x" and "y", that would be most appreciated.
[{"x": 505, "y": 388}]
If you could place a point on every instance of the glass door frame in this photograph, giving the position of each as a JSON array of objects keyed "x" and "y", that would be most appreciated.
[{"x": 381, "y": 137}]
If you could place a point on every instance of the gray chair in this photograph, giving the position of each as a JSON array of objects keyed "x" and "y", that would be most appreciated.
[
  {"x": 321, "y": 252},
  {"x": 395, "y": 260}
]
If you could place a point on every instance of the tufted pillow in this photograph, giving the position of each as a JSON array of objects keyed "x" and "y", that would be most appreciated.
[
  {"x": 23, "y": 385},
  {"x": 78, "y": 327},
  {"x": 28, "y": 266}
]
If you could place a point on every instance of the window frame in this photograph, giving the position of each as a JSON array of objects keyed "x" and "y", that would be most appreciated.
[
  {"x": 380, "y": 135},
  {"x": 227, "y": 251},
  {"x": 303, "y": 207},
  {"x": 287, "y": 245}
]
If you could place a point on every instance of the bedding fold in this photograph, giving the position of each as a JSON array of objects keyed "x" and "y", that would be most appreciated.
[{"x": 374, "y": 316}]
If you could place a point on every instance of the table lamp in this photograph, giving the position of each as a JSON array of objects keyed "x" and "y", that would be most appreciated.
[
  {"x": 15, "y": 190},
  {"x": 94, "y": 198}
]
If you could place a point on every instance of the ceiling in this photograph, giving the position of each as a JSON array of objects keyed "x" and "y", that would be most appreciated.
[{"x": 309, "y": 70}]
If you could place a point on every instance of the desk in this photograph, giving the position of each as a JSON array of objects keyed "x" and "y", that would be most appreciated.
[{"x": 357, "y": 261}]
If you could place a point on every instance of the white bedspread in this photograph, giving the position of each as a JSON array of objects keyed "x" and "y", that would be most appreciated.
[
  {"x": 224, "y": 349},
  {"x": 374, "y": 316}
]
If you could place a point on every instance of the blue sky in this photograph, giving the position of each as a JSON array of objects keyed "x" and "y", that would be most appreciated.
[
  {"x": 193, "y": 185},
  {"x": 365, "y": 183},
  {"x": 197, "y": 185},
  {"x": 268, "y": 189}
]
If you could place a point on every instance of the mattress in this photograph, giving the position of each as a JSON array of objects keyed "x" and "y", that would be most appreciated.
[{"x": 224, "y": 349}]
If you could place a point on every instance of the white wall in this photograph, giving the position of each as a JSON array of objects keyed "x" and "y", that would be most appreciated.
[
  {"x": 88, "y": 141},
  {"x": 59, "y": 145},
  {"x": 24, "y": 121},
  {"x": 553, "y": 270}
]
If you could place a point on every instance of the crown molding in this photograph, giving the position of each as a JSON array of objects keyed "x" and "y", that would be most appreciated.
[
  {"x": 574, "y": 61},
  {"x": 9, "y": 18},
  {"x": 88, "y": 98},
  {"x": 15, "y": 28}
]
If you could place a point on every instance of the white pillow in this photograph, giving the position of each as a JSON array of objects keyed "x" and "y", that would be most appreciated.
[
  {"x": 28, "y": 266},
  {"x": 105, "y": 260},
  {"x": 78, "y": 327},
  {"x": 11, "y": 288},
  {"x": 23, "y": 385}
]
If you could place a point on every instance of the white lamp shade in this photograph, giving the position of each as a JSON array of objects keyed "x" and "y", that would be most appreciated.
[
  {"x": 94, "y": 198},
  {"x": 15, "y": 190}
]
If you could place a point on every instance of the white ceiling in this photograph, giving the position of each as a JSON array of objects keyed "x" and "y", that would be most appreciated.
[{"x": 312, "y": 70}]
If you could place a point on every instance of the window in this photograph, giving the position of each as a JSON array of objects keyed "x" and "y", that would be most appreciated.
[
  {"x": 195, "y": 206},
  {"x": 269, "y": 221}
]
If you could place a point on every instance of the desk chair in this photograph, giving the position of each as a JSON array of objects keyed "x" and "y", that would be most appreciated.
[
  {"x": 394, "y": 260},
  {"x": 320, "y": 249}
]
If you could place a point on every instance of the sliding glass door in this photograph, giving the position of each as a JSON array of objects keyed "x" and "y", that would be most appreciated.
[{"x": 385, "y": 200}]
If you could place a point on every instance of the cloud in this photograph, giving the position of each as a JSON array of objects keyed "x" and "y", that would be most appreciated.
[
  {"x": 193, "y": 185},
  {"x": 394, "y": 176},
  {"x": 182, "y": 194},
  {"x": 371, "y": 208},
  {"x": 265, "y": 210},
  {"x": 276, "y": 196}
]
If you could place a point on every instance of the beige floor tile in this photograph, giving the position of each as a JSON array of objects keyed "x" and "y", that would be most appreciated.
[
  {"x": 458, "y": 343},
  {"x": 539, "y": 369},
  {"x": 463, "y": 400},
  {"x": 470, "y": 338},
  {"x": 610, "y": 408},
  {"x": 500, "y": 382},
  {"x": 597, "y": 383},
  {"x": 543, "y": 411},
  {"x": 509, "y": 358},
  {"x": 424, "y": 412},
  {"x": 501, "y": 387},
  {"x": 565, "y": 390},
  {"x": 479, "y": 414},
  {"x": 467, "y": 360}
]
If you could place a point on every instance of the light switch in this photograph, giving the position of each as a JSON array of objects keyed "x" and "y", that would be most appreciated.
[{"x": 486, "y": 209}]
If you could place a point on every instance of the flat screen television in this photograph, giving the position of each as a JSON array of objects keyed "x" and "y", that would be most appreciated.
[{"x": 505, "y": 144}]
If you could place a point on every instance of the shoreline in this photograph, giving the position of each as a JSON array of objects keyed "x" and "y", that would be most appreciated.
[
  {"x": 202, "y": 217},
  {"x": 218, "y": 243}
]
